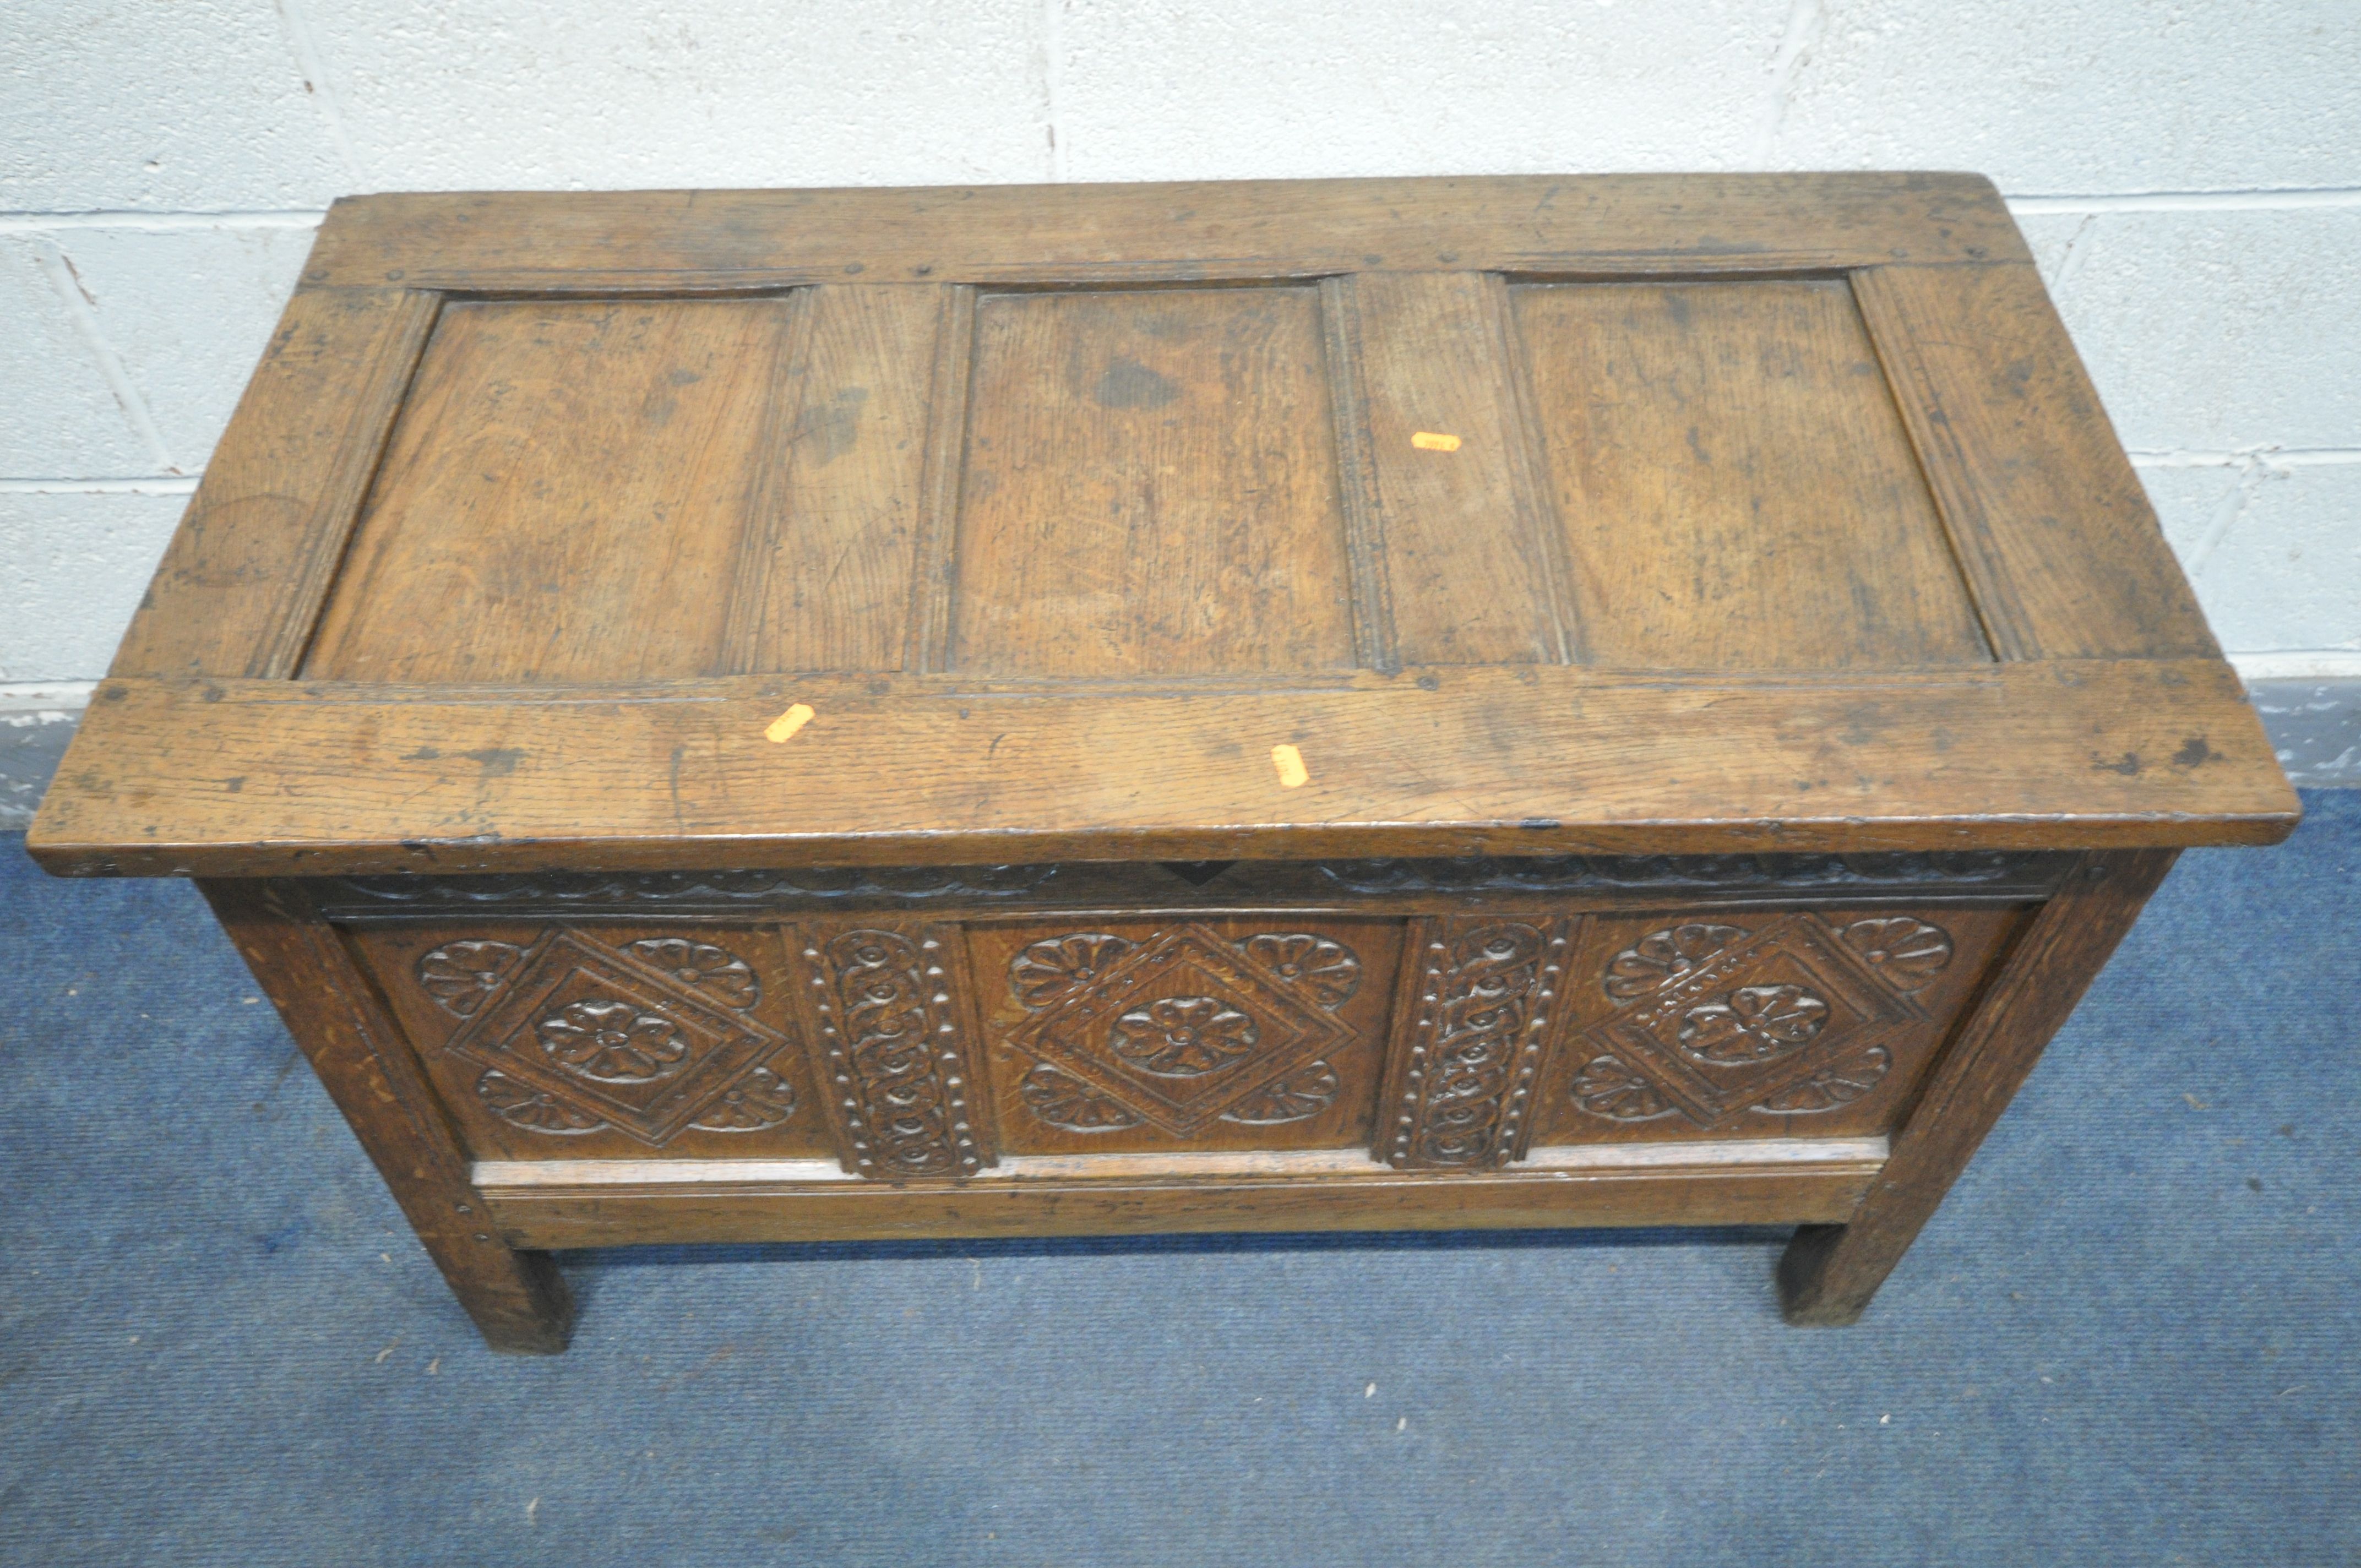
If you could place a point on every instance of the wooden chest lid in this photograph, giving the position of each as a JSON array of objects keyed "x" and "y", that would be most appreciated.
[{"x": 1628, "y": 515}]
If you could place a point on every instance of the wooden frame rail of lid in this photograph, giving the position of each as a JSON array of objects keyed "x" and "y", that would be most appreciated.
[
  {"x": 2071, "y": 754},
  {"x": 703, "y": 241}
]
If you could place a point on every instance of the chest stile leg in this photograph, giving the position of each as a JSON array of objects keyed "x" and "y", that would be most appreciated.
[
  {"x": 516, "y": 1296},
  {"x": 1830, "y": 1272}
]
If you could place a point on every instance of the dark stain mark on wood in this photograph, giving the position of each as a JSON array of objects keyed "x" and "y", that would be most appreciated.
[
  {"x": 836, "y": 424},
  {"x": 497, "y": 762},
  {"x": 1129, "y": 384}
]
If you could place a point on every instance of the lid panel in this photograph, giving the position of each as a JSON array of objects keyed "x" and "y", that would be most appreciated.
[
  {"x": 1150, "y": 487},
  {"x": 563, "y": 496},
  {"x": 1737, "y": 488},
  {"x": 239, "y": 589},
  {"x": 1353, "y": 518},
  {"x": 2052, "y": 524},
  {"x": 1459, "y": 528},
  {"x": 825, "y": 580}
]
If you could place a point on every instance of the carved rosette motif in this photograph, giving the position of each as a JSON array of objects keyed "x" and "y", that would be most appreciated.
[
  {"x": 576, "y": 1037},
  {"x": 1330, "y": 970},
  {"x": 1605, "y": 1087},
  {"x": 1485, "y": 1006},
  {"x": 1841, "y": 1083},
  {"x": 1066, "y": 1102},
  {"x": 1666, "y": 955},
  {"x": 701, "y": 966},
  {"x": 1751, "y": 1024},
  {"x": 1180, "y": 1029},
  {"x": 1297, "y": 1096},
  {"x": 523, "y": 1105},
  {"x": 760, "y": 1099},
  {"x": 1788, "y": 1018},
  {"x": 1183, "y": 1036},
  {"x": 884, "y": 1005},
  {"x": 1906, "y": 953},
  {"x": 1050, "y": 971},
  {"x": 462, "y": 976},
  {"x": 612, "y": 1042}
]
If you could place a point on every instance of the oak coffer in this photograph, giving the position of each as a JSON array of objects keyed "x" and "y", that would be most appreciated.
[{"x": 749, "y": 716}]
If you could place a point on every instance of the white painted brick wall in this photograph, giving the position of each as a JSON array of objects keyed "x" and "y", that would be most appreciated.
[
  {"x": 71, "y": 570},
  {"x": 2190, "y": 174}
]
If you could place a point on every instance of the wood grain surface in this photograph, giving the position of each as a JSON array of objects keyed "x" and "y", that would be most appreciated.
[
  {"x": 2051, "y": 524},
  {"x": 241, "y": 585},
  {"x": 517, "y": 1299},
  {"x": 1461, "y": 543},
  {"x": 547, "y": 1215},
  {"x": 250, "y": 778},
  {"x": 704, "y": 240},
  {"x": 1535, "y": 432},
  {"x": 564, "y": 497},
  {"x": 1149, "y": 488},
  {"x": 1736, "y": 486},
  {"x": 1075, "y": 709},
  {"x": 837, "y": 494}
]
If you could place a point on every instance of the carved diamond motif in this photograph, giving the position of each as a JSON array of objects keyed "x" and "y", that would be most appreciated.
[
  {"x": 1178, "y": 1031},
  {"x": 581, "y": 1032},
  {"x": 1762, "y": 1019}
]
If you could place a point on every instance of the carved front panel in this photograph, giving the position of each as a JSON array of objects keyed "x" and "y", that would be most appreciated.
[
  {"x": 1228, "y": 1033},
  {"x": 913, "y": 1050},
  {"x": 1755, "y": 1024},
  {"x": 604, "y": 1040},
  {"x": 885, "y": 1005},
  {"x": 1483, "y": 1009}
]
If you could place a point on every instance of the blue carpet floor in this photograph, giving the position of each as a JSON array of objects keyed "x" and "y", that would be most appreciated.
[{"x": 2130, "y": 1336}]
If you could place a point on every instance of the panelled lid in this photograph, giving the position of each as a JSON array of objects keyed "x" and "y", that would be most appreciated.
[{"x": 1623, "y": 514}]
